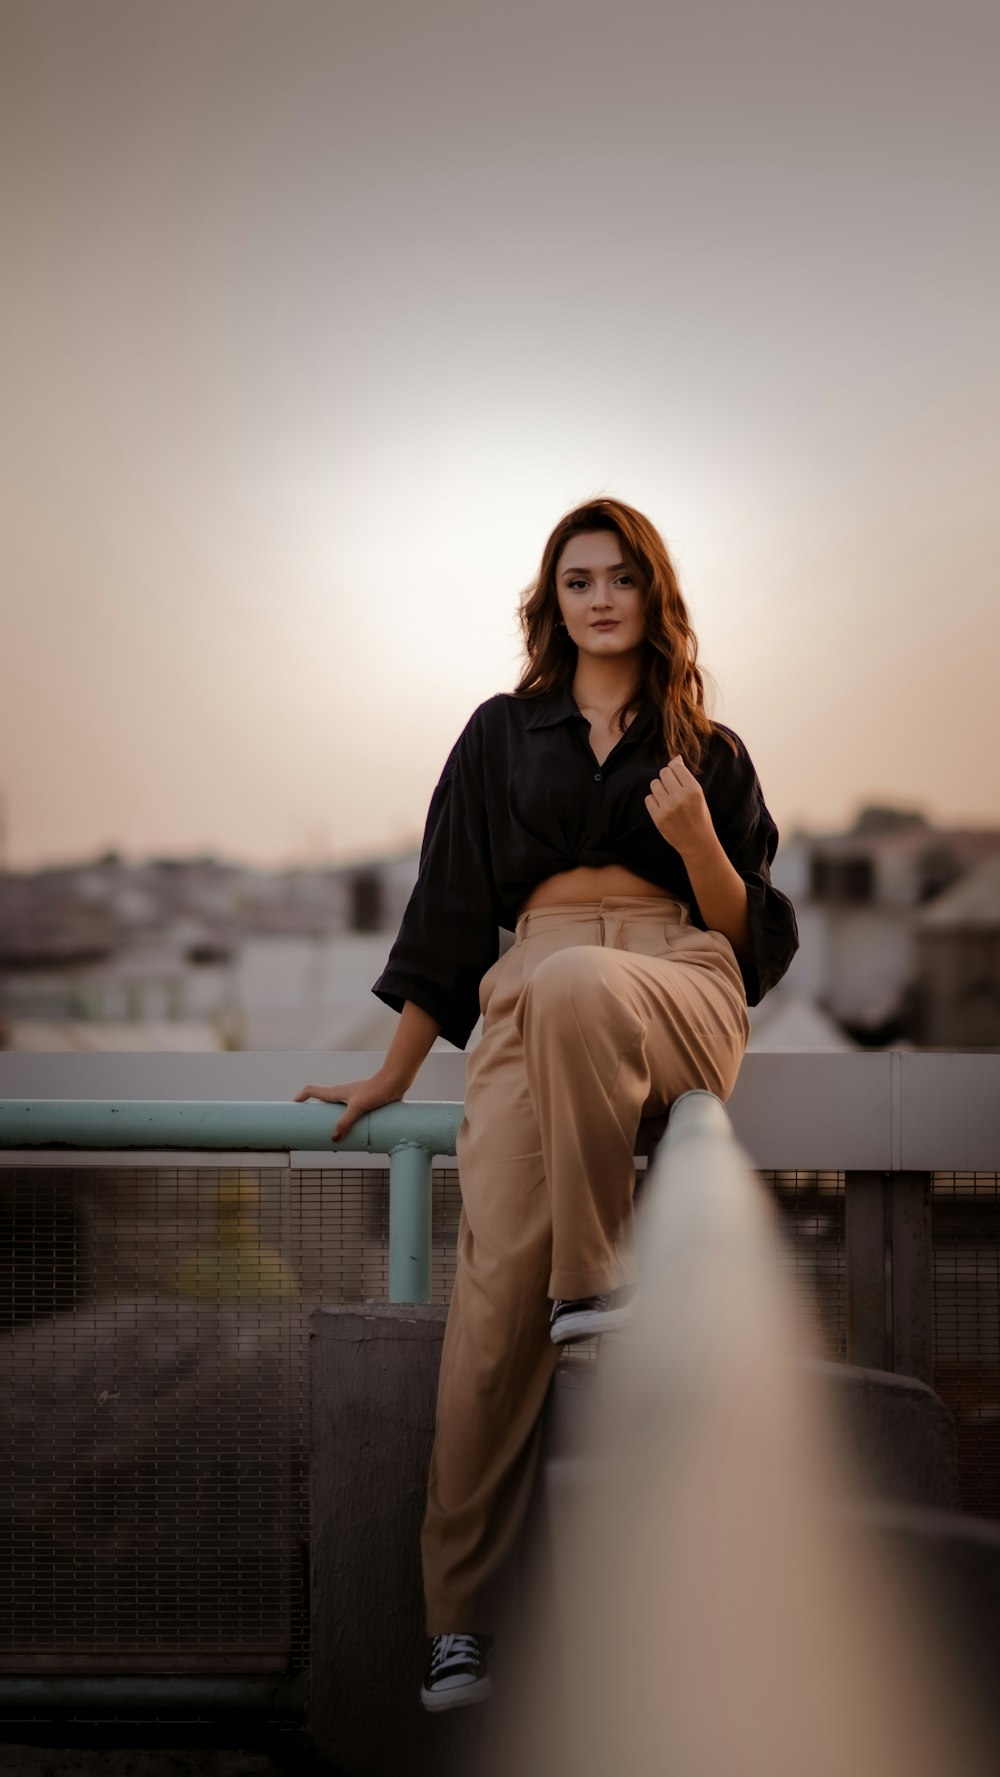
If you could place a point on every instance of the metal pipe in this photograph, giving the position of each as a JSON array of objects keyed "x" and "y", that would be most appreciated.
[
  {"x": 204, "y": 1123},
  {"x": 409, "y": 1223},
  {"x": 710, "y": 1525},
  {"x": 282, "y": 1694},
  {"x": 411, "y": 1134}
]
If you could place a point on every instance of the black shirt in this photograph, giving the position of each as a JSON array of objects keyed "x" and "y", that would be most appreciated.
[{"x": 521, "y": 797}]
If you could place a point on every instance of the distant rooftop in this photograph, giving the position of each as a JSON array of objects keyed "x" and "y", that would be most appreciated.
[{"x": 972, "y": 901}]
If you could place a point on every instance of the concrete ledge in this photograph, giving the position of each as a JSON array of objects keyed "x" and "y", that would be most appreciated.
[
  {"x": 373, "y": 1378},
  {"x": 949, "y": 1564},
  {"x": 373, "y": 1381},
  {"x": 898, "y": 1430},
  {"x": 953, "y": 1563}
]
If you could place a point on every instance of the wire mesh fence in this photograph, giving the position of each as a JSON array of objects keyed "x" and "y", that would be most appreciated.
[
  {"x": 965, "y": 1211},
  {"x": 154, "y": 1439},
  {"x": 811, "y": 1211}
]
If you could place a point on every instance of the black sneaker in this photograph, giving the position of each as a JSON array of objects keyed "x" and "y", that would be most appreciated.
[
  {"x": 457, "y": 1672},
  {"x": 590, "y": 1315}
]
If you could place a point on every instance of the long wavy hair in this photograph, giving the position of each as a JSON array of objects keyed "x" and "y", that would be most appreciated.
[{"x": 669, "y": 676}]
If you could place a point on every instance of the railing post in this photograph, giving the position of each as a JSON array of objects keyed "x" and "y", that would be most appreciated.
[
  {"x": 865, "y": 1260},
  {"x": 409, "y": 1223},
  {"x": 889, "y": 1278},
  {"x": 912, "y": 1287}
]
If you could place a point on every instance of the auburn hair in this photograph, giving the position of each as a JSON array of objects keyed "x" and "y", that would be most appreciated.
[{"x": 669, "y": 675}]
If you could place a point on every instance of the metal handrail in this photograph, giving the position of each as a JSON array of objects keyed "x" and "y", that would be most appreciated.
[
  {"x": 707, "y": 1228},
  {"x": 282, "y": 1694},
  {"x": 410, "y": 1134},
  {"x": 714, "y": 1486}
]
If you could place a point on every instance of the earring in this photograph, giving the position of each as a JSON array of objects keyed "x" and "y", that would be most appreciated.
[{"x": 561, "y": 625}]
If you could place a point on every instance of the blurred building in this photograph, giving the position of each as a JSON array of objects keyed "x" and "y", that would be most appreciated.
[
  {"x": 894, "y": 918},
  {"x": 958, "y": 952},
  {"x": 899, "y": 925},
  {"x": 198, "y": 954}
]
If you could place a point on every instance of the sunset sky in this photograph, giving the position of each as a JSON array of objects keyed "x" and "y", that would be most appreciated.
[{"x": 319, "y": 313}]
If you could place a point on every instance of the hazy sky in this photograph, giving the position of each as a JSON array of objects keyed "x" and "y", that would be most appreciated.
[{"x": 319, "y": 313}]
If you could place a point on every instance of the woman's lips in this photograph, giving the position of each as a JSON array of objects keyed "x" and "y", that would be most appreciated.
[{"x": 608, "y": 623}]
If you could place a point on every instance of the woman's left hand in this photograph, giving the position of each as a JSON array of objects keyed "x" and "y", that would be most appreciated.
[{"x": 677, "y": 808}]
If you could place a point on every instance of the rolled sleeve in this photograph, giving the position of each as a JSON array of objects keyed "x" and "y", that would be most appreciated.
[
  {"x": 749, "y": 837},
  {"x": 450, "y": 932},
  {"x": 773, "y": 930}
]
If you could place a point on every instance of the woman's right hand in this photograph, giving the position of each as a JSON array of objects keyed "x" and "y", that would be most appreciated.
[{"x": 356, "y": 1096}]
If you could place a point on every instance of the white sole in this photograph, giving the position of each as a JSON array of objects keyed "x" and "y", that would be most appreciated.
[
  {"x": 584, "y": 1326},
  {"x": 458, "y": 1697}
]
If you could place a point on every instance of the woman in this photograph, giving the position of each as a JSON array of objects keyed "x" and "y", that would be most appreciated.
[{"x": 622, "y": 835}]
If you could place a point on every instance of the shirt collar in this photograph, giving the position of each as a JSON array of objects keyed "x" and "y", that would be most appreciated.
[{"x": 552, "y": 707}]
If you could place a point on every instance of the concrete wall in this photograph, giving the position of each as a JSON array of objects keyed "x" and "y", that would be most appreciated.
[
  {"x": 373, "y": 1382},
  {"x": 373, "y": 1377}
]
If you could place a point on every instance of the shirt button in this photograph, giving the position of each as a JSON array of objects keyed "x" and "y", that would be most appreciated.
[{"x": 597, "y": 777}]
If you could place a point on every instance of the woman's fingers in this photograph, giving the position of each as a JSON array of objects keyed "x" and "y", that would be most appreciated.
[
  {"x": 356, "y": 1097},
  {"x": 674, "y": 783},
  {"x": 357, "y": 1102},
  {"x": 350, "y": 1095}
]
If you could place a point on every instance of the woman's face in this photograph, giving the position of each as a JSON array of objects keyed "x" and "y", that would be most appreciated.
[{"x": 599, "y": 597}]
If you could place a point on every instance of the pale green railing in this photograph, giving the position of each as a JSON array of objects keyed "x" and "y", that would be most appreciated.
[{"x": 410, "y": 1134}]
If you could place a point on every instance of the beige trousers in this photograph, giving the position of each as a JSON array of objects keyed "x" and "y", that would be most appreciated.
[{"x": 600, "y": 1013}]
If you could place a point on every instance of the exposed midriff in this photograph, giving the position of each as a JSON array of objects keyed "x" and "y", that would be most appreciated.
[{"x": 586, "y": 883}]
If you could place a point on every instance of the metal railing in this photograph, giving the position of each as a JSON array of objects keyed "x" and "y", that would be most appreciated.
[
  {"x": 893, "y": 1123},
  {"x": 410, "y": 1134},
  {"x": 905, "y": 1255},
  {"x": 887, "y": 1123},
  {"x": 710, "y": 1520}
]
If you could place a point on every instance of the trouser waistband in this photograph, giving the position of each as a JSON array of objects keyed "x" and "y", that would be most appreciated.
[{"x": 619, "y": 908}]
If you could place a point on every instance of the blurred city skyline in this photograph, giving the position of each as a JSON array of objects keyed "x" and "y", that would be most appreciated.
[{"x": 318, "y": 317}]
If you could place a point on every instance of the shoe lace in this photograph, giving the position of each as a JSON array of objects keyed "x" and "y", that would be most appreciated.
[
  {"x": 453, "y": 1650},
  {"x": 577, "y": 1305}
]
